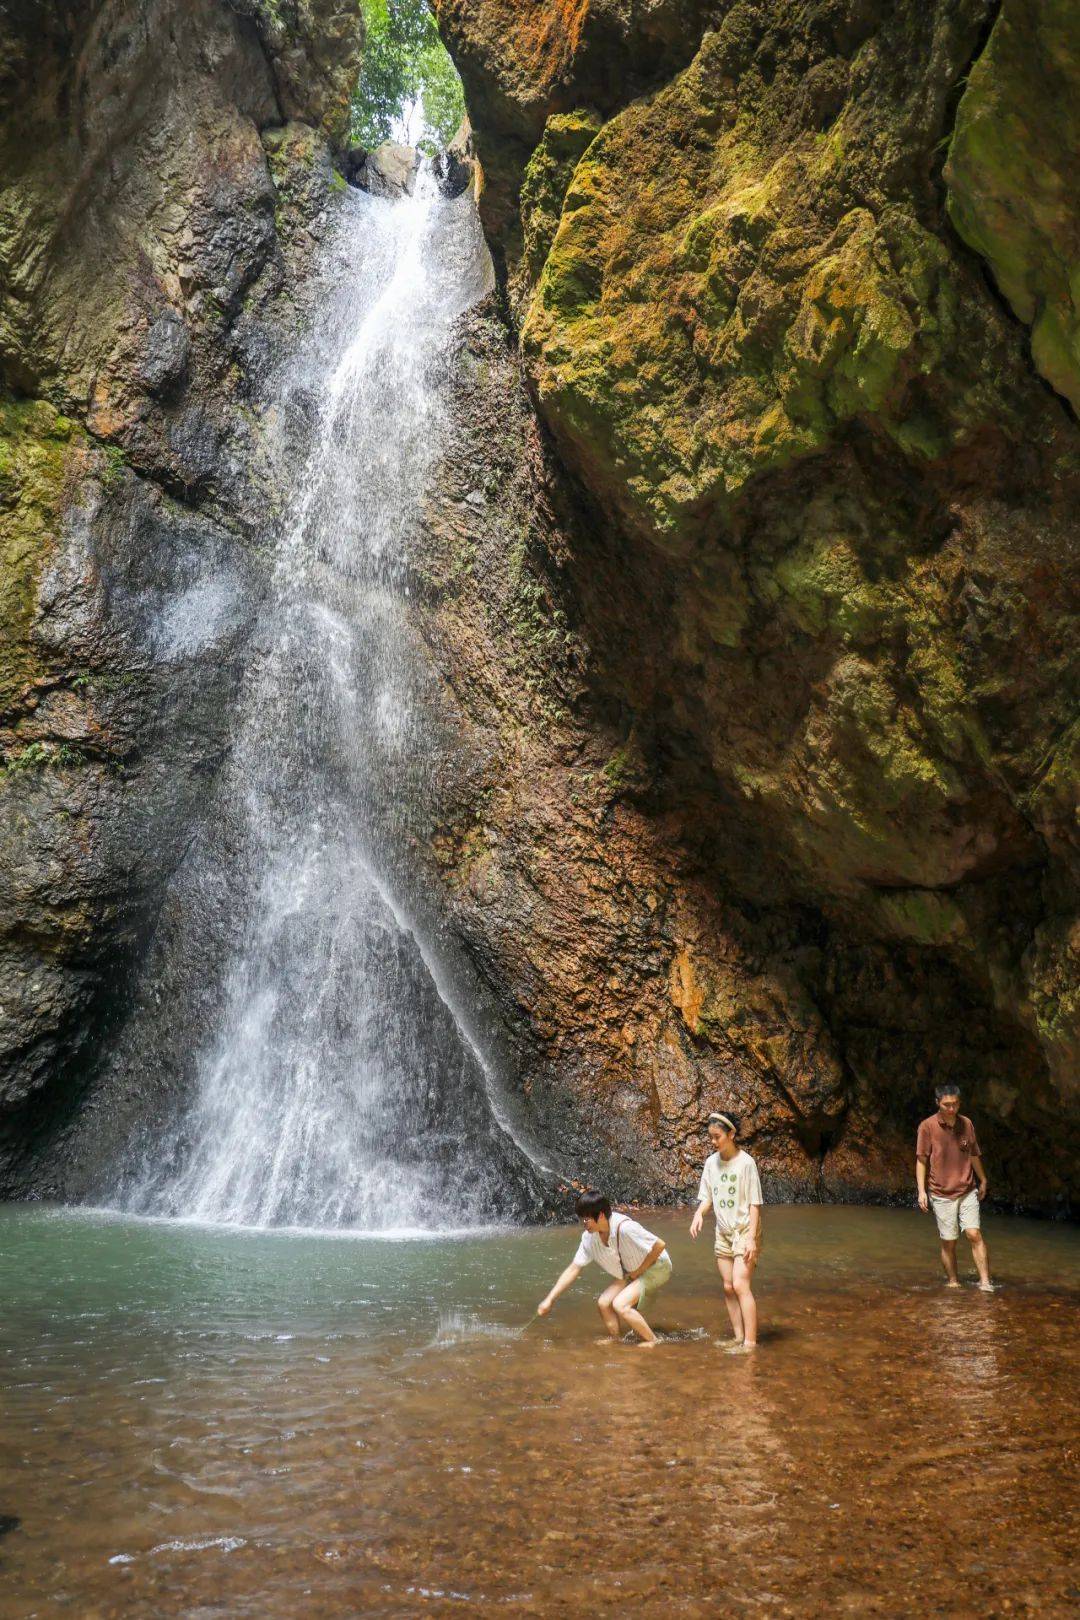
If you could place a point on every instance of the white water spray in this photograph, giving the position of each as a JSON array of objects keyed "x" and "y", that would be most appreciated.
[{"x": 335, "y": 1088}]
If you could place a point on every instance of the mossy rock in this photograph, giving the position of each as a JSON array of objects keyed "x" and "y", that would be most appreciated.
[
  {"x": 566, "y": 137},
  {"x": 1013, "y": 174},
  {"x": 923, "y": 916},
  {"x": 713, "y": 310},
  {"x": 37, "y": 446}
]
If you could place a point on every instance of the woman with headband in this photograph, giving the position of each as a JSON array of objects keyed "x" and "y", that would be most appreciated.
[{"x": 730, "y": 1183}]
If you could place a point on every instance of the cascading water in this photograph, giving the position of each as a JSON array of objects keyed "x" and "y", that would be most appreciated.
[{"x": 334, "y": 1086}]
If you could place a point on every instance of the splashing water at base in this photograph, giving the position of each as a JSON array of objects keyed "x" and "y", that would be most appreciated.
[
  {"x": 465, "y": 1327},
  {"x": 334, "y": 1086}
]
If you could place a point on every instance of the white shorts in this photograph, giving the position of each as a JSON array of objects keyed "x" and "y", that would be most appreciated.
[{"x": 956, "y": 1215}]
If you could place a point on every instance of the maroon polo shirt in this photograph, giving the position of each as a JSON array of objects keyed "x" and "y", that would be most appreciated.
[{"x": 948, "y": 1150}]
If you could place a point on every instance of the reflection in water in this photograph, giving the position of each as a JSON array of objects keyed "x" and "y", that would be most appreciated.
[{"x": 230, "y": 1423}]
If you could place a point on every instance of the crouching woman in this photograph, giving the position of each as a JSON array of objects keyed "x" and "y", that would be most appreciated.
[{"x": 635, "y": 1257}]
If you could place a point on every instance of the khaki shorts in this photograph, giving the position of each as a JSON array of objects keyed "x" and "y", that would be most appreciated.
[
  {"x": 731, "y": 1245},
  {"x": 656, "y": 1276},
  {"x": 956, "y": 1215}
]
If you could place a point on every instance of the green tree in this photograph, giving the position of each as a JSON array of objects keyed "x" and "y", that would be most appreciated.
[{"x": 407, "y": 75}]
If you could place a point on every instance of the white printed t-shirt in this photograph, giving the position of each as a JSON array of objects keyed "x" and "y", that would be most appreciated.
[
  {"x": 732, "y": 1185},
  {"x": 628, "y": 1239}
]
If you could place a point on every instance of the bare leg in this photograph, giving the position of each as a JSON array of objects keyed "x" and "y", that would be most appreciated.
[
  {"x": 630, "y": 1317},
  {"x": 948, "y": 1260},
  {"x": 607, "y": 1315},
  {"x": 981, "y": 1256},
  {"x": 742, "y": 1278},
  {"x": 726, "y": 1269}
]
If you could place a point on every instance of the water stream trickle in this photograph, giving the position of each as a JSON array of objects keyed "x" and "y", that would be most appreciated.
[{"x": 333, "y": 1086}]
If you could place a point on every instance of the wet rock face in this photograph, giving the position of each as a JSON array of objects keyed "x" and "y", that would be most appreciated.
[
  {"x": 805, "y": 837},
  {"x": 161, "y": 193},
  {"x": 455, "y": 168}
]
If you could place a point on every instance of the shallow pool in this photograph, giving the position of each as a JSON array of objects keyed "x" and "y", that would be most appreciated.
[{"x": 207, "y": 1422}]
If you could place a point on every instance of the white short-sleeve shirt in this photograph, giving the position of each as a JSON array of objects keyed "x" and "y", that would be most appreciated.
[
  {"x": 732, "y": 1186},
  {"x": 627, "y": 1247}
]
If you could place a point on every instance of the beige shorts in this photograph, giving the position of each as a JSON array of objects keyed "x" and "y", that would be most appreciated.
[
  {"x": 732, "y": 1245},
  {"x": 657, "y": 1275},
  {"x": 956, "y": 1215}
]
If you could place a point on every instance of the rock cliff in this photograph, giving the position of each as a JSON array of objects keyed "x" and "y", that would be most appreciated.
[
  {"x": 777, "y": 688},
  {"x": 163, "y": 166},
  {"x": 751, "y": 580}
]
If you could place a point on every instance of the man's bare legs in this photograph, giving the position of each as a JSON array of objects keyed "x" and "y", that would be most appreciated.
[
  {"x": 612, "y": 1329},
  {"x": 948, "y": 1260},
  {"x": 624, "y": 1305},
  {"x": 726, "y": 1269},
  {"x": 742, "y": 1277},
  {"x": 981, "y": 1256}
]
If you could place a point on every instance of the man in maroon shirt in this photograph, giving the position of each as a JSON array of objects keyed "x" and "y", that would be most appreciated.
[{"x": 947, "y": 1152}]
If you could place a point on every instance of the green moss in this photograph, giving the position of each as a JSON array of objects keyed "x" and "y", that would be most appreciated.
[
  {"x": 826, "y": 590},
  {"x": 36, "y": 450},
  {"x": 619, "y": 769},
  {"x": 293, "y": 153},
  {"x": 115, "y": 463},
  {"x": 536, "y": 624},
  {"x": 707, "y": 314},
  {"x": 538, "y": 631},
  {"x": 1013, "y": 173},
  {"x": 923, "y": 916},
  {"x": 1055, "y": 791},
  {"x": 566, "y": 137}
]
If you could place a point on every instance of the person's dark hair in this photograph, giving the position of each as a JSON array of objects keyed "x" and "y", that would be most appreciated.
[
  {"x": 945, "y": 1091},
  {"x": 727, "y": 1122},
  {"x": 593, "y": 1204}
]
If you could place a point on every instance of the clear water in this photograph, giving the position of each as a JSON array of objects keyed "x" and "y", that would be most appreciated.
[
  {"x": 330, "y": 1079},
  {"x": 210, "y": 1422}
]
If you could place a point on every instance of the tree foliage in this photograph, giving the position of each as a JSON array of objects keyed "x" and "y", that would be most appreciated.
[{"x": 408, "y": 79}]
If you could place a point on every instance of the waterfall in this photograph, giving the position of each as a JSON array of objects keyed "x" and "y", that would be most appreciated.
[{"x": 334, "y": 1086}]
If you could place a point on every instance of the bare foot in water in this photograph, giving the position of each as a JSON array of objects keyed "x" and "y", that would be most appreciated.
[
  {"x": 739, "y": 1347},
  {"x": 647, "y": 1344},
  {"x": 952, "y": 1285},
  {"x": 605, "y": 1338},
  {"x": 733, "y": 1344}
]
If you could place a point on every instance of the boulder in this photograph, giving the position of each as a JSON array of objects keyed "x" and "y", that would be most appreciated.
[
  {"x": 165, "y": 364},
  {"x": 389, "y": 171},
  {"x": 455, "y": 166}
]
